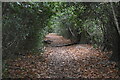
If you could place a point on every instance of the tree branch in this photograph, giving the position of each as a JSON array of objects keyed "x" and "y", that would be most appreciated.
[{"x": 115, "y": 18}]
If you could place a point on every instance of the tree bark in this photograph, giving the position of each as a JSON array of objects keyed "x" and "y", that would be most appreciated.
[
  {"x": 116, "y": 38},
  {"x": 115, "y": 18}
]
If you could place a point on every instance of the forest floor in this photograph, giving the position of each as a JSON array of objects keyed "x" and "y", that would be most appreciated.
[{"x": 75, "y": 61}]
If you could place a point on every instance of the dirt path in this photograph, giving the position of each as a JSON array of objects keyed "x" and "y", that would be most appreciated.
[
  {"x": 79, "y": 60},
  {"x": 57, "y": 40},
  {"x": 76, "y": 61}
]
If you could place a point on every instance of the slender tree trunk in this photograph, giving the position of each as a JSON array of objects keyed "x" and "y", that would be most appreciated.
[
  {"x": 115, "y": 18},
  {"x": 116, "y": 38}
]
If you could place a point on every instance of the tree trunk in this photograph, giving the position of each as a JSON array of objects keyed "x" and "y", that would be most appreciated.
[
  {"x": 116, "y": 47},
  {"x": 116, "y": 37},
  {"x": 115, "y": 19}
]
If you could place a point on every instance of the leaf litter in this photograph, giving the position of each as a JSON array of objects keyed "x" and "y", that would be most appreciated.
[{"x": 75, "y": 61}]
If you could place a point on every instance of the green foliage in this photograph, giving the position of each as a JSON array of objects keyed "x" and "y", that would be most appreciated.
[
  {"x": 83, "y": 22},
  {"x": 26, "y": 24},
  {"x": 72, "y": 20},
  {"x": 23, "y": 25}
]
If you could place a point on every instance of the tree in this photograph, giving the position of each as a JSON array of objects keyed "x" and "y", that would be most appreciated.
[
  {"x": 23, "y": 27},
  {"x": 116, "y": 40}
]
